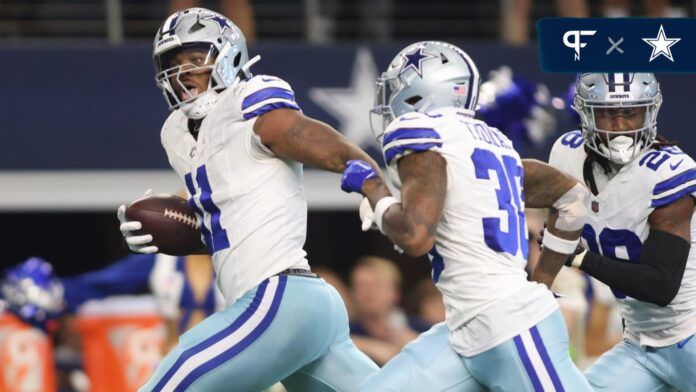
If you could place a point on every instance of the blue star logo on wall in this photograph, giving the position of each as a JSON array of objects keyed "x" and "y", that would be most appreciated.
[
  {"x": 414, "y": 60},
  {"x": 222, "y": 21}
]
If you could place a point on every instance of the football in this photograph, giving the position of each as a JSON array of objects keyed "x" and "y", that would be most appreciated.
[{"x": 170, "y": 220}]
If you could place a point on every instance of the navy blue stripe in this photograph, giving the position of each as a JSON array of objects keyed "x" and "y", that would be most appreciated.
[
  {"x": 267, "y": 93},
  {"x": 673, "y": 197},
  {"x": 527, "y": 364},
  {"x": 683, "y": 343},
  {"x": 470, "y": 88},
  {"x": 611, "y": 83},
  {"x": 417, "y": 147},
  {"x": 170, "y": 29},
  {"x": 410, "y": 133},
  {"x": 539, "y": 343},
  {"x": 239, "y": 347},
  {"x": 246, "y": 315},
  {"x": 269, "y": 107},
  {"x": 438, "y": 264},
  {"x": 675, "y": 181}
]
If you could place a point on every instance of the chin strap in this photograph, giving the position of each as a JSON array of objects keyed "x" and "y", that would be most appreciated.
[
  {"x": 244, "y": 70},
  {"x": 200, "y": 107}
]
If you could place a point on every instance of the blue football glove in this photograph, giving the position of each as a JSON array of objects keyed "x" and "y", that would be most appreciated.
[
  {"x": 355, "y": 175},
  {"x": 33, "y": 292}
]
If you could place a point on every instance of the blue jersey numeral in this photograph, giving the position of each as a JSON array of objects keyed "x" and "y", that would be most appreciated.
[
  {"x": 509, "y": 200},
  {"x": 609, "y": 240},
  {"x": 572, "y": 139},
  {"x": 653, "y": 160},
  {"x": 215, "y": 237}
]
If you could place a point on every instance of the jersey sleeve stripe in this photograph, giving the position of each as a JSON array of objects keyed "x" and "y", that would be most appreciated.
[
  {"x": 269, "y": 107},
  {"x": 663, "y": 201},
  {"x": 410, "y": 133},
  {"x": 400, "y": 150},
  {"x": 674, "y": 182},
  {"x": 267, "y": 93}
]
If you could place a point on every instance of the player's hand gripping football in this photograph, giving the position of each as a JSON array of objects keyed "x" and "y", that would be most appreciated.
[{"x": 138, "y": 243}]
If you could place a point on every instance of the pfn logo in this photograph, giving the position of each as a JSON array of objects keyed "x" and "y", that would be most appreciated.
[{"x": 576, "y": 43}]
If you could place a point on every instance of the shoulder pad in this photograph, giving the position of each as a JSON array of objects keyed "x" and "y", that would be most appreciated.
[
  {"x": 675, "y": 174},
  {"x": 409, "y": 133},
  {"x": 263, "y": 93}
]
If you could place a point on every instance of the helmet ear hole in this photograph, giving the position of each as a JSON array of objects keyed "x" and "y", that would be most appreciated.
[
  {"x": 413, "y": 100},
  {"x": 237, "y": 59}
]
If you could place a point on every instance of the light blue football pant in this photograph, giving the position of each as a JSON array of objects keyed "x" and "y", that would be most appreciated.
[
  {"x": 535, "y": 360},
  {"x": 630, "y": 367},
  {"x": 289, "y": 328}
]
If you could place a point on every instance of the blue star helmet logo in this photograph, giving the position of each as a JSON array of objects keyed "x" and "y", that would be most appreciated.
[
  {"x": 414, "y": 60},
  {"x": 221, "y": 20}
]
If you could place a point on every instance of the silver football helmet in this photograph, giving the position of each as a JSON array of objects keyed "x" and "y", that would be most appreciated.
[
  {"x": 225, "y": 57},
  {"x": 601, "y": 95},
  {"x": 425, "y": 76}
]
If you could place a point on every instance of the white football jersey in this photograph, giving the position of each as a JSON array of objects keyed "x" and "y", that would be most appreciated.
[
  {"x": 250, "y": 204},
  {"x": 618, "y": 225},
  {"x": 481, "y": 244}
]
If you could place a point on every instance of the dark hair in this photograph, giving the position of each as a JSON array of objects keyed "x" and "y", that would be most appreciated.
[{"x": 661, "y": 141}]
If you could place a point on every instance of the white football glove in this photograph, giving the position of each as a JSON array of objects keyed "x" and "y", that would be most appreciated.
[
  {"x": 136, "y": 243},
  {"x": 367, "y": 215}
]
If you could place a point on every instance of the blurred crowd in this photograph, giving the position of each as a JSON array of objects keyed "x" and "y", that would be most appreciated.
[
  {"x": 323, "y": 21},
  {"x": 118, "y": 326}
]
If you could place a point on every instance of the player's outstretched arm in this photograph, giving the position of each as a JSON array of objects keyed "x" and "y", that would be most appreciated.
[
  {"x": 657, "y": 277},
  {"x": 411, "y": 224},
  {"x": 547, "y": 187},
  {"x": 292, "y": 135},
  {"x": 543, "y": 184}
]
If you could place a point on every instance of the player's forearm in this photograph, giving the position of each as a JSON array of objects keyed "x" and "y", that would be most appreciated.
[
  {"x": 409, "y": 224},
  {"x": 548, "y": 266},
  {"x": 543, "y": 184},
  {"x": 317, "y": 144}
]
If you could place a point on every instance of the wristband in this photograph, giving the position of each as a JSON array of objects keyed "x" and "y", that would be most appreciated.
[
  {"x": 383, "y": 205},
  {"x": 559, "y": 245}
]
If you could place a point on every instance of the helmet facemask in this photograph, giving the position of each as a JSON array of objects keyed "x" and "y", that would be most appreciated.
[
  {"x": 175, "y": 79},
  {"x": 618, "y": 146},
  {"x": 381, "y": 114}
]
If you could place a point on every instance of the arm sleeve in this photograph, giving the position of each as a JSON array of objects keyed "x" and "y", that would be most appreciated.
[
  {"x": 128, "y": 275},
  {"x": 656, "y": 279}
]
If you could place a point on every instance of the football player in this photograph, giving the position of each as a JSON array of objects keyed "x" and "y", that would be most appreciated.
[
  {"x": 462, "y": 191},
  {"x": 638, "y": 235},
  {"x": 238, "y": 142},
  {"x": 183, "y": 287}
]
